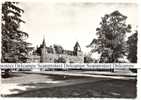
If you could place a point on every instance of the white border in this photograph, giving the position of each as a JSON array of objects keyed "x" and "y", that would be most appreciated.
[{"x": 95, "y": 1}]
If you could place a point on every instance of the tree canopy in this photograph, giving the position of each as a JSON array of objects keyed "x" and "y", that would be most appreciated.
[
  {"x": 111, "y": 37},
  {"x": 14, "y": 46},
  {"x": 132, "y": 47}
]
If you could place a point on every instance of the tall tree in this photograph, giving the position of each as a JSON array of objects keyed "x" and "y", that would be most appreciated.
[
  {"x": 132, "y": 47},
  {"x": 14, "y": 46},
  {"x": 111, "y": 37}
]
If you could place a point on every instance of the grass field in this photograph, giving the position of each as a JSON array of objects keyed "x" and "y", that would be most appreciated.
[{"x": 111, "y": 88}]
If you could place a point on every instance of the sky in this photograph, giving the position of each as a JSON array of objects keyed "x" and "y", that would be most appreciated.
[{"x": 65, "y": 23}]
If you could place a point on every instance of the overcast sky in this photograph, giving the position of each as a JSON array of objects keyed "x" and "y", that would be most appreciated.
[{"x": 66, "y": 23}]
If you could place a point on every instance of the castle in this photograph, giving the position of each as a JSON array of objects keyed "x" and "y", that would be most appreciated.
[{"x": 44, "y": 54}]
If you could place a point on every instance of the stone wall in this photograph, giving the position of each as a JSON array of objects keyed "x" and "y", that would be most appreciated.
[
  {"x": 50, "y": 58},
  {"x": 33, "y": 59}
]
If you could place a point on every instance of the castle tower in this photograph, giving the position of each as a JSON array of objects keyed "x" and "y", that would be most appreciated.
[
  {"x": 43, "y": 52},
  {"x": 77, "y": 50}
]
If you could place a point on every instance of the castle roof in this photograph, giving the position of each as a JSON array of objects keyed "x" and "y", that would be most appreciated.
[
  {"x": 43, "y": 43},
  {"x": 77, "y": 46}
]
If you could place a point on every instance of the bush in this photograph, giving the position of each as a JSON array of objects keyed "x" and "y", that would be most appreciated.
[
  {"x": 133, "y": 70},
  {"x": 88, "y": 59},
  {"x": 5, "y": 73},
  {"x": 60, "y": 60}
]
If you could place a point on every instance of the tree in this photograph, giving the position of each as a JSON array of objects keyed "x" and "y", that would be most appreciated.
[
  {"x": 58, "y": 49},
  {"x": 132, "y": 47},
  {"x": 88, "y": 59},
  {"x": 14, "y": 46},
  {"x": 111, "y": 38}
]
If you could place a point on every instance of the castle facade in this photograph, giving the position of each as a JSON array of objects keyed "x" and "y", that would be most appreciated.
[{"x": 44, "y": 54}]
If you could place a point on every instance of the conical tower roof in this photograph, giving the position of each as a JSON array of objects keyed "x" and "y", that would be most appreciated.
[{"x": 44, "y": 42}]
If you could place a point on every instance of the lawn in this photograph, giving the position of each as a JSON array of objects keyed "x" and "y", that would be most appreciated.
[
  {"x": 112, "y": 88},
  {"x": 89, "y": 87}
]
